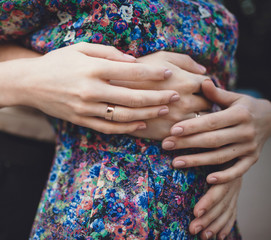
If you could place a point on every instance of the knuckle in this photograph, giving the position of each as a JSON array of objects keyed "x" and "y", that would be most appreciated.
[
  {"x": 186, "y": 105},
  {"x": 228, "y": 176},
  {"x": 192, "y": 86},
  {"x": 136, "y": 100},
  {"x": 250, "y": 133},
  {"x": 225, "y": 205},
  {"x": 124, "y": 116},
  {"x": 214, "y": 141},
  {"x": 163, "y": 98},
  {"x": 174, "y": 117},
  {"x": 106, "y": 130},
  {"x": 253, "y": 147},
  {"x": 220, "y": 158},
  {"x": 97, "y": 71},
  {"x": 211, "y": 122},
  {"x": 188, "y": 59},
  {"x": 238, "y": 174},
  {"x": 244, "y": 113},
  {"x": 113, "y": 50},
  {"x": 75, "y": 119},
  {"x": 138, "y": 73},
  {"x": 80, "y": 109},
  {"x": 86, "y": 94},
  {"x": 231, "y": 209},
  {"x": 211, "y": 200},
  {"x": 256, "y": 157},
  {"x": 226, "y": 188},
  {"x": 151, "y": 114}
]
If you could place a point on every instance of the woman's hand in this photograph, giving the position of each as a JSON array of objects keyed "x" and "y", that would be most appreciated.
[
  {"x": 216, "y": 211},
  {"x": 187, "y": 77},
  {"x": 238, "y": 132},
  {"x": 72, "y": 83}
]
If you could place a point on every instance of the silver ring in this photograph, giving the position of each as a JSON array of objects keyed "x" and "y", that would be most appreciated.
[
  {"x": 197, "y": 115},
  {"x": 109, "y": 112}
]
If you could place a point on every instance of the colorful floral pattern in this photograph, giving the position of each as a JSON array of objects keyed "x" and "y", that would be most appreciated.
[{"x": 116, "y": 186}]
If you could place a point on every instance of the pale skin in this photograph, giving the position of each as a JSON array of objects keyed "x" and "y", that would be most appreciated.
[
  {"x": 46, "y": 99},
  {"x": 237, "y": 132},
  {"x": 240, "y": 136},
  {"x": 81, "y": 94}
]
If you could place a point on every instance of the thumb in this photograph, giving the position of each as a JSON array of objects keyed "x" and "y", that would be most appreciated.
[
  {"x": 102, "y": 51},
  {"x": 217, "y": 95}
]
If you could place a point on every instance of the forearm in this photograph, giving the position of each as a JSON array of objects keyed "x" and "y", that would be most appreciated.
[
  {"x": 10, "y": 51},
  {"x": 13, "y": 72},
  {"x": 21, "y": 121}
]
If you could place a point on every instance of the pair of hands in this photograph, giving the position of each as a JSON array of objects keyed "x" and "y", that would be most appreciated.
[
  {"x": 236, "y": 136},
  {"x": 76, "y": 83}
]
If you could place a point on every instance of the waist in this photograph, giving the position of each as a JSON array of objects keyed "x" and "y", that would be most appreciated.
[{"x": 71, "y": 136}]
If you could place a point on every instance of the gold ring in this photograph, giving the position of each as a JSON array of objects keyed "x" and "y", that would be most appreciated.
[
  {"x": 197, "y": 115},
  {"x": 109, "y": 112}
]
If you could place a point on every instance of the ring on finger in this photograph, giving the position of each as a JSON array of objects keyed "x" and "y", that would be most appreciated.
[{"x": 109, "y": 112}]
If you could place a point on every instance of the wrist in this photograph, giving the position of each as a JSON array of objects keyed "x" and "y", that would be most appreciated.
[{"x": 13, "y": 78}]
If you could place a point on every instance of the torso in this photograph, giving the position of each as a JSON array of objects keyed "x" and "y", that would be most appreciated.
[{"x": 117, "y": 186}]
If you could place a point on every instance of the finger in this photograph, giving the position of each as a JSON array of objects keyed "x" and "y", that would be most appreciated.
[
  {"x": 213, "y": 121},
  {"x": 212, "y": 139},
  {"x": 212, "y": 157},
  {"x": 221, "y": 220},
  {"x": 102, "y": 51},
  {"x": 237, "y": 170},
  {"x": 227, "y": 228},
  {"x": 218, "y": 95},
  {"x": 184, "y": 61},
  {"x": 213, "y": 196},
  {"x": 108, "y": 127},
  {"x": 214, "y": 212},
  {"x": 123, "y": 114},
  {"x": 123, "y": 71},
  {"x": 197, "y": 103},
  {"x": 136, "y": 98}
]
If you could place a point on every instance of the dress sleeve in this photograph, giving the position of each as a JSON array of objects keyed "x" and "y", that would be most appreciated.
[{"x": 19, "y": 17}]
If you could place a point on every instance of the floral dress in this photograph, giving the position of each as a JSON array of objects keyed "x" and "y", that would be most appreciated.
[{"x": 118, "y": 186}]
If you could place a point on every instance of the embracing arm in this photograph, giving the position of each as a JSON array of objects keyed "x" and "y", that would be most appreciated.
[
  {"x": 186, "y": 83},
  {"x": 79, "y": 90}
]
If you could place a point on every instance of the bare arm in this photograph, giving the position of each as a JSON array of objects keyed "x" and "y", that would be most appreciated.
[{"x": 78, "y": 91}]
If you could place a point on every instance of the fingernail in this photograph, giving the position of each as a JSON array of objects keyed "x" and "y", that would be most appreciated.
[
  {"x": 163, "y": 111},
  {"x": 179, "y": 164},
  {"x": 141, "y": 127},
  {"x": 174, "y": 98},
  {"x": 168, "y": 145},
  {"x": 202, "y": 68},
  {"x": 201, "y": 213},
  {"x": 167, "y": 73},
  {"x": 222, "y": 237},
  {"x": 130, "y": 57},
  {"x": 177, "y": 131},
  {"x": 198, "y": 229},
  {"x": 208, "y": 234},
  {"x": 212, "y": 180}
]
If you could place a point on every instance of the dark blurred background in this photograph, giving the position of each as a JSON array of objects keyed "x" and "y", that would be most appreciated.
[{"x": 254, "y": 50}]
